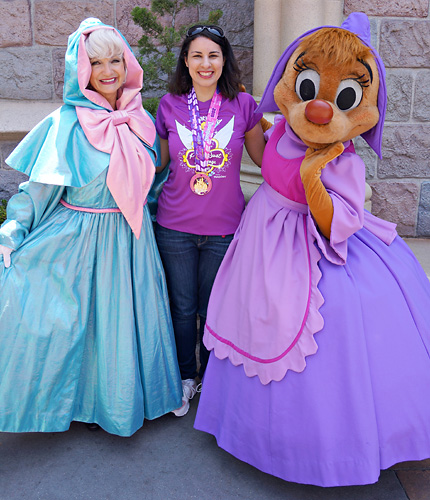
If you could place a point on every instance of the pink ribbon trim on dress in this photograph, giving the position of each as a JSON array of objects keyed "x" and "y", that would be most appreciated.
[{"x": 90, "y": 210}]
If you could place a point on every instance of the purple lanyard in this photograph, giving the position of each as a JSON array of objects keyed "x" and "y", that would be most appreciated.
[{"x": 202, "y": 139}]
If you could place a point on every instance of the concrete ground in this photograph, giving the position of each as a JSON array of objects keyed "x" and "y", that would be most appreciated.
[{"x": 168, "y": 459}]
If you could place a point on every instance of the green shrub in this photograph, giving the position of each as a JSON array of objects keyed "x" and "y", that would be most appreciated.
[
  {"x": 151, "y": 105},
  {"x": 158, "y": 43},
  {"x": 3, "y": 204}
]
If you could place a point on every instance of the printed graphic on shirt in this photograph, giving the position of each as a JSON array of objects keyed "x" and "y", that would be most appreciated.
[{"x": 220, "y": 156}]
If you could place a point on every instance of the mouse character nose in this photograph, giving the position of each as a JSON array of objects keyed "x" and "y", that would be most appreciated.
[{"x": 319, "y": 112}]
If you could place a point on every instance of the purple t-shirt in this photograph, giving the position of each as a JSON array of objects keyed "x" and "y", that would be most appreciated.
[{"x": 218, "y": 212}]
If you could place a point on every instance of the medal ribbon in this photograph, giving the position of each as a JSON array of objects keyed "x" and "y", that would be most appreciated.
[{"x": 202, "y": 139}]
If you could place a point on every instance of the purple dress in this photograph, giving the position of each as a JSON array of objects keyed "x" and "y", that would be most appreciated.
[{"x": 320, "y": 370}]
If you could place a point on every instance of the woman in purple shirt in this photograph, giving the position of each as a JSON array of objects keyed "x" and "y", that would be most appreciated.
[{"x": 203, "y": 124}]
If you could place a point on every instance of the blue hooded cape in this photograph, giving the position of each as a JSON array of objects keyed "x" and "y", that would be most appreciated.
[{"x": 56, "y": 150}]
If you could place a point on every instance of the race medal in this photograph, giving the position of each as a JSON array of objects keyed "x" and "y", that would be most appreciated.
[{"x": 200, "y": 184}]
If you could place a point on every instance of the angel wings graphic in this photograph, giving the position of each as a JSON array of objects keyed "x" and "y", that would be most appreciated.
[{"x": 222, "y": 137}]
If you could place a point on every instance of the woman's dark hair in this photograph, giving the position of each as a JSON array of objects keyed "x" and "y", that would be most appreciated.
[{"x": 229, "y": 81}]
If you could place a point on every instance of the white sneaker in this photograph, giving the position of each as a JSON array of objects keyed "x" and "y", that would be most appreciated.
[{"x": 189, "y": 389}]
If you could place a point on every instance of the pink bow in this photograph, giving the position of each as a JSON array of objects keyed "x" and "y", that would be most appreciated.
[{"x": 131, "y": 169}]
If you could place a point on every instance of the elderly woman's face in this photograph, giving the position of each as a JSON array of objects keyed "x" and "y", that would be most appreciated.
[{"x": 107, "y": 76}]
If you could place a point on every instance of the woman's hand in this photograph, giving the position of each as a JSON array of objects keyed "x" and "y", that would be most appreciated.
[{"x": 6, "y": 251}]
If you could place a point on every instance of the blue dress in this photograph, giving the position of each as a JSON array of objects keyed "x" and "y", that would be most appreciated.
[{"x": 85, "y": 327}]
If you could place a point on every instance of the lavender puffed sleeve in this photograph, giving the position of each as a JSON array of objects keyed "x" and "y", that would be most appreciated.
[{"x": 345, "y": 182}]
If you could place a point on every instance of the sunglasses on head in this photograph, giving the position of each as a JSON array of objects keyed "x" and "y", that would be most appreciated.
[{"x": 215, "y": 30}]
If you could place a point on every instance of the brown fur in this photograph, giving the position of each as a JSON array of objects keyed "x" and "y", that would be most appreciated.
[
  {"x": 336, "y": 55},
  {"x": 345, "y": 124},
  {"x": 336, "y": 45}
]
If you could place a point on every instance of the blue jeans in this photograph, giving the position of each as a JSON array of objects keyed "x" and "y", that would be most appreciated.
[{"x": 190, "y": 262}]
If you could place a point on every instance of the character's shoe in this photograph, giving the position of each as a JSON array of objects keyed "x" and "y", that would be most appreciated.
[{"x": 92, "y": 426}]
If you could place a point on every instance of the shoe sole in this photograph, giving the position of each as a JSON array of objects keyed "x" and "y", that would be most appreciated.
[{"x": 183, "y": 410}]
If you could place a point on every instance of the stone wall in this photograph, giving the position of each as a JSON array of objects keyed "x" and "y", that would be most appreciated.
[
  {"x": 33, "y": 39},
  {"x": 401, "y": 180},
  {"x": 33, "y": 36}
]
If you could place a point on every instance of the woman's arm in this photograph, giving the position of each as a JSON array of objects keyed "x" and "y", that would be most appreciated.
[
  {"x": 165, "y": 155},
  {"x": 25, "y": 211},
  {"x": 255, "y": 143}
]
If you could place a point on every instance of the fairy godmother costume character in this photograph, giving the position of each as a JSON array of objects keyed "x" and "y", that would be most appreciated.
[
  {"x": 85, "y": 330},
  {"x": 319, "y": 318}
]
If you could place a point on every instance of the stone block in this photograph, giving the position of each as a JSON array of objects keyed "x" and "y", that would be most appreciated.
[
  {"x": 18, "y": 117},
  {"x": 367, "y": 154},
  {"x": 244, "y": 58},
  {"x": 133, "y": 32},
  {"x": 26, "y": 73},
  {"x": 421, "y": 104},
  {"x": 399, "y": 92},
  {"x": 15, "y": 26},
  {"x": 9, "y": 182},
  {"x": 237, "y": 20},
  {"x": 374, "y": 29},
  {"x": 394, "y": 8},
  {"x": 396, "y": 202},
  {"x": 6, "y": 149},
  {"x": 405, "y": 43},
  {"x": 423, "y": 225},
  {"x": 405, "y": 152},
  {"x": 55, "y": 20},
  {"x": 58, "y": 64},
  {"x": 126, "y": 25}
]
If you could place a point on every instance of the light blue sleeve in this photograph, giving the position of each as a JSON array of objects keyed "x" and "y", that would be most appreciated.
[
  {"x": 33, "y": 203},
  {"x": 159, "y": 179}
]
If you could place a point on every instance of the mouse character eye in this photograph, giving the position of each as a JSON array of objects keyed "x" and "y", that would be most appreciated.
[
  {"x": 307, "y": 84},
  {"x": 349, "y": 94}
]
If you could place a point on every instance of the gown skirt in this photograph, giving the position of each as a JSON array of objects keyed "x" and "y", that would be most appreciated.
[
  {"x": 362, "y": 402},
  {"x": 85, "y": 327}
]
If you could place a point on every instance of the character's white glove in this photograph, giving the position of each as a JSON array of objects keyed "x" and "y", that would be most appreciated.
[{"x": 6, "y": 251}]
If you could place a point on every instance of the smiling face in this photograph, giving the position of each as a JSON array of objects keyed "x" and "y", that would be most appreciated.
[
  {"x": 205, "y": 62},
  {"x": 107, "y": 76},
  {"x": 329, "y": 89}
]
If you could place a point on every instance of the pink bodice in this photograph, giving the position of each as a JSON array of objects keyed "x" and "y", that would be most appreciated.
[{"x": 283, "y": 174}]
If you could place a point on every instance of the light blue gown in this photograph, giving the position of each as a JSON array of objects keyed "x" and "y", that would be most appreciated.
[{"x": 85, "y": 327}]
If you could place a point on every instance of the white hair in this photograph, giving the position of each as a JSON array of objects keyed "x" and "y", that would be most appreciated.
[{"x": 104, "y": 43}]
